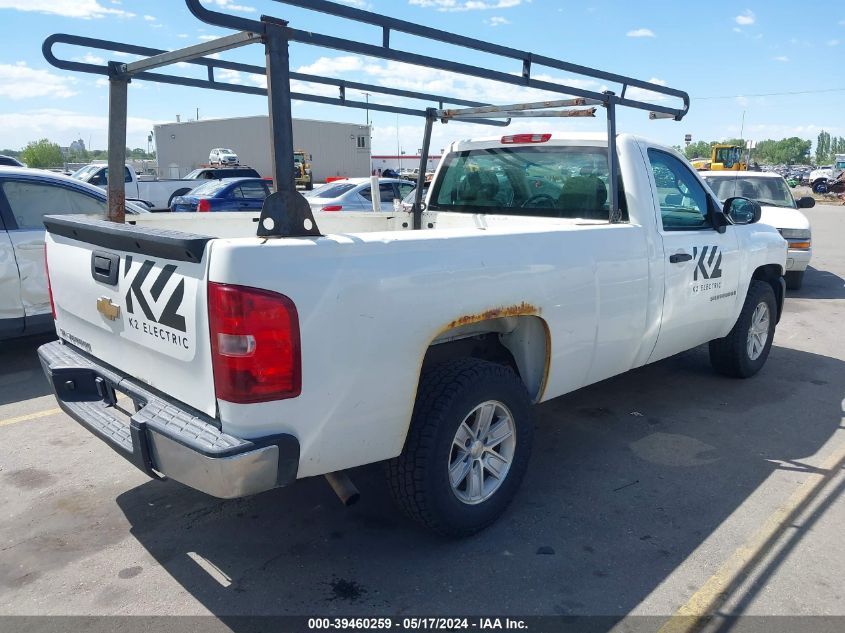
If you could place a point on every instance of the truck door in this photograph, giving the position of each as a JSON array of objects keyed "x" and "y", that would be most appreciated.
[{"x": 702, "y": 265}]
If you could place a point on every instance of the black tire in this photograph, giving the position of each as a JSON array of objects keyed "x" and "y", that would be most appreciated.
[
  {"x": 729, "y": 355},
  {"x": 419, "y": 477},
  {"x": 309, "y": 185},
  {"x": 794, "y": 279},
  {"x": 819, "y": 186},
  {"x": 176, "y": 194}
]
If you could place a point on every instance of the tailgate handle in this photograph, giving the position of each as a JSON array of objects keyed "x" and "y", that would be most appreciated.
[{"x": 105, "y": 267}]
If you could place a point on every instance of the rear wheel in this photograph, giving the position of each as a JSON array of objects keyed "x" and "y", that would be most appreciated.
[
  {"x": 794, "y": 279},
  {"x": 743, "y": 352},
  {"x": 467, "y": 449}
]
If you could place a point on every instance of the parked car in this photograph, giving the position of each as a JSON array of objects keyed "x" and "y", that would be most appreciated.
[
  {"x": 222, "y": 156},
  {"x": 780, "y": 210},
  {"x": 354, "y": 194},
  {"x": 157, "y": 193},
  {"x": 226, "y": 194},
  {"x": 26, "y": 196},
  {"x": 216, "y": 173},
  {"x": 10, "y": 161}
]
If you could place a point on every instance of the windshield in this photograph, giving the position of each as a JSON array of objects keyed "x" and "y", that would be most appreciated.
[
  {"x": 330, "y": 190},
  {"x": 770, "y": 191},
  {"x": 226, "y": 151},
  {"x": 553, "y": 181},
  {"x": 82, "y": 172},
  {"x": 208, "y": 188}
]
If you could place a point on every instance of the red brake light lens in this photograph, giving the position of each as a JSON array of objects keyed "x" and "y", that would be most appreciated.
[
  {"x": 49, "y": 287},
  {"x": 525, "y": 138},
  {"x": 204, "y": 206},
  {"x": 332, "y": 207},
  {"x": 254, "y": 344}
]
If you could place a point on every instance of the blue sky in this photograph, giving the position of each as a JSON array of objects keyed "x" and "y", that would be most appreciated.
[{"x": 723, "y": 53}]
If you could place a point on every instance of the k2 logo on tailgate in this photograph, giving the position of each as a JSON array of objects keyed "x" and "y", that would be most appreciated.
[{"x": 154, "y": 307}]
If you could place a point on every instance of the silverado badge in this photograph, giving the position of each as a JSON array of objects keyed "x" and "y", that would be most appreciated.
[{"x": 108, "y": 309}]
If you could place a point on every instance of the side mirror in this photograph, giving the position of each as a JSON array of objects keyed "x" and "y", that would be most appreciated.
[
  {"x": 742, "y": 210},
  {"x": 806, "y": 202}
]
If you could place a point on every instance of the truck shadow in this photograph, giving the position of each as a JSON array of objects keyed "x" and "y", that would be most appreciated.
[
  {"x": 819, "y": 284},
  {"x": 21, "y": 376},
  {"x": 627, "y": 479}
]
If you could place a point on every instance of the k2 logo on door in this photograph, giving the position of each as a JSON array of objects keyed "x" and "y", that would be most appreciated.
[
  {"x": 154, "y": 309},
  {"x": 708, "y": 262}
]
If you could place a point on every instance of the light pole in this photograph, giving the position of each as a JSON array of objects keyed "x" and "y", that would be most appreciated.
[{"x": 367, "y": 97}]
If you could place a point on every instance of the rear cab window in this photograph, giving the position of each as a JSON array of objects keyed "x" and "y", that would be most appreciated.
[{"x": 550, "y": 181}]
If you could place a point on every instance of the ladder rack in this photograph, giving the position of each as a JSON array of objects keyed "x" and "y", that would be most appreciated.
[{"x": 286, "y": 213}]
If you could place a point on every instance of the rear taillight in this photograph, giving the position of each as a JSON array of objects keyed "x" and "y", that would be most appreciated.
[
  {"x": 525, "y": 138},
  {"x": 332, "y": 207},
  {"x": 204, "y": 206},
  {"x": 49, "y": 287},
  {"x": 254, "y": 344}
]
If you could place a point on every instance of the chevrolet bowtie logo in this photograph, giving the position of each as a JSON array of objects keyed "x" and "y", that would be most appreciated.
[{"x": 108, "y": 309}]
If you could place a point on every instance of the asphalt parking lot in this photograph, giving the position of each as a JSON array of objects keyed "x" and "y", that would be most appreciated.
[{"x": 666, "y": 490}]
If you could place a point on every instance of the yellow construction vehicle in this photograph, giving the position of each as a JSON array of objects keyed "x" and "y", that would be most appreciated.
[
  {"x": 302, "y": 169},
  {"x": 723, "y": 157}
]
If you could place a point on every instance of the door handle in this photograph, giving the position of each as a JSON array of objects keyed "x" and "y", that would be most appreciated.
[{"x": 677, "y": 258}]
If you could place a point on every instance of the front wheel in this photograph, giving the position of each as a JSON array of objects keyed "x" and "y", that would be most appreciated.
[
  {"x": 820, "y": 187},
  {"x": 467, "y": 449},
  {"x": 743, "y": 352}
]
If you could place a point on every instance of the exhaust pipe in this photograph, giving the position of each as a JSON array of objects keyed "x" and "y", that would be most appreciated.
[{"x": 343, "y": 487}]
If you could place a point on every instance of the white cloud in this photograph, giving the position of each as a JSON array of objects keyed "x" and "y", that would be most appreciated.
[
  {"x": 736, "y": 29},
  {"x": 182, "y": 36},
  {"x": 497, "y": 21},
  {"x": 230, "y": 5},
  {"x": 88, "y": 58},
  {"x": 358, "y": 4},
  {"x": 150, "y": 18},
  {"x": 466, "y": 5},
  {"x": 781, "y": 58},
  {"x": 641, "y": 33},
  {"x": 208, "y": 38},
  {"x": 85, "y": 9},
  {"x": 745, "y": 18},
  {"x": 833, "y": 42},
  {"x": 226, "y": 75},
  {"x": 60, "y": 125},
  {"x": 19, "y": 81},
  {"x": 642, "y": 94}
]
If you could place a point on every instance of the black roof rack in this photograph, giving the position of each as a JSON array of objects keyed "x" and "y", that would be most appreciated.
[{"x": 286, "y": 213}]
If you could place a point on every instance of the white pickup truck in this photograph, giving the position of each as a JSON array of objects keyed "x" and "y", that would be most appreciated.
[
  {"x": 158, "y": 194},
  {"x": 251, "y": 362}
]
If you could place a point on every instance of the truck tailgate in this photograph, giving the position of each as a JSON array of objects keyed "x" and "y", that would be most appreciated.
[{"x": 135, "y": 298}]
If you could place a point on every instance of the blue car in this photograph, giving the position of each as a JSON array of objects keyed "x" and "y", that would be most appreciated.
[{"x": 227, "y": 194}]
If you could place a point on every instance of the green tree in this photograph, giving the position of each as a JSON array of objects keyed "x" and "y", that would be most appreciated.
[
  {"x": 823, "y": 146},
  {"x": 42, "y": 154},
  {"x": 699, "y": 149}
]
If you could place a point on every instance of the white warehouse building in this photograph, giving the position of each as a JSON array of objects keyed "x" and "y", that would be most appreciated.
[{"x": 337, "y": 149}]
